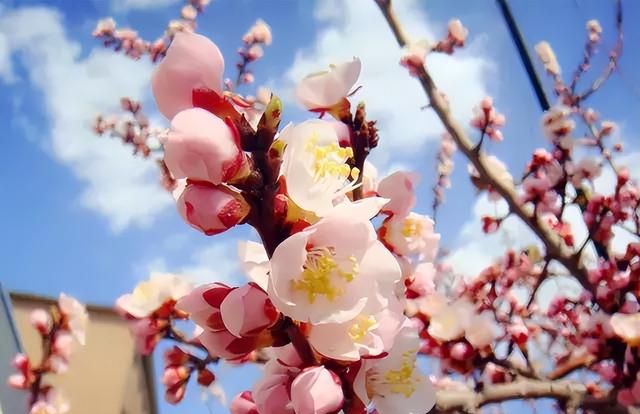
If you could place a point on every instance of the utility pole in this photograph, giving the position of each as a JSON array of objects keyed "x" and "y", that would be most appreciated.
[{"x": 514, "y": 31}]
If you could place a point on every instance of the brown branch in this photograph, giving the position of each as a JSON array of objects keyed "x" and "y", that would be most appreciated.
[
  {"x": 556, "y": 249},
  {"x": 573, "y": 395}
]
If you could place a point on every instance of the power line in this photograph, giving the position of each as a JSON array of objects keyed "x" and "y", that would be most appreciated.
[{"x": 516, "y": 35}]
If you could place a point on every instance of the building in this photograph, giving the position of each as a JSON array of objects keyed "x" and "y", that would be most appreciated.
[{"x": 107, "y": 376}]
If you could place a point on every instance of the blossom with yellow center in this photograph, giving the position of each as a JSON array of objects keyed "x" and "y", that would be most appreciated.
[{"x": 320, "y": 275}]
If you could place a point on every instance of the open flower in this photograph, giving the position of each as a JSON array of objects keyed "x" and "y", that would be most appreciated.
[
  {"x": 202, "y": 147},
  {"x": 399, "y": 188},
  {"x": 411, "y": 235},
  {"x": 76, "y": 316},
  {"x": 365, "y": 335},
  {"x": 393, "y": 383},
  {"x": 192, "y": 62},
  {"x": 255, "y": 262},
  {"x": 627, "y": 327},
  {"x": 323, "y": 90},
  {"x": 315, "y": 166},
  {"x": 320, "y": 278},
  {"x": 150, "y": 295},
  {"x": 548, "y": 58}
]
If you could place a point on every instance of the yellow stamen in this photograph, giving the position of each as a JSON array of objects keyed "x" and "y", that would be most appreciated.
[
  {"x": 412, "y": 227},
  {"x": 361, "y": 327},
  {"x": 319, "y": 275},
  {"x": 402, "y": 380},
  {"x": 329, "y": 161}
]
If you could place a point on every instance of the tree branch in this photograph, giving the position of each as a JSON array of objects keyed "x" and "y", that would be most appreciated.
[
  {"x": 573, "y": 394},
  {"x": 556, "y": 249}
]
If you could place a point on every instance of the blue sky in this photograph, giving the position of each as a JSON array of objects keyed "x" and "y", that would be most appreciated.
[{"x": 82, "y": 216}]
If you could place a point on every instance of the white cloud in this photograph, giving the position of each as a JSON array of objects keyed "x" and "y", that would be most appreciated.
[
  {"x": 217, "y": 262},
  {"x": 6, "y": 71},
  {"x": 357, "y": 28},
  {"x": 124, "y": 5},
  {"x": 118, "y": 186}
]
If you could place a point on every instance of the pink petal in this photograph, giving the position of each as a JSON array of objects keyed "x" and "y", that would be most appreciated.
[{"x": 192, "y": 61}]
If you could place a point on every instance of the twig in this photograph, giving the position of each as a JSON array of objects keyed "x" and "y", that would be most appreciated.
[{"x": 556, "y": 249}]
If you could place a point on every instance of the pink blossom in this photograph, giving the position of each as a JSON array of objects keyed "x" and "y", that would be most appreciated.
[
  {"x": 201, "y": 146},
  {"x": 411, "y": 235},
  {"x": 461, "y": 351},
  {"x": 243, "y": 404},
  {"x": 255, "y": 262},
  {"x": 63, "y": 345},
  {"x": 414, "y": 56},
  {"x": 227, "y": 346},
  {"x": 315, "y": 166},
  {"x": 272, "y": 393},
  {"x": 260, "y": 32},
  {"x": 481, "y": 329},
  {"x": 448, "y": 321},
  {"x": 76, "y": 316},
  {"x": 40, "y": 320},
  {"x": 548, "y": 58},
  {"x": 211, "y": 209},
  {"x": 203, "y": 304},
  {"x": 324, "y": 90},
  {"x": 316, "y": 390},
  {"x": 369, "y": 179},
  {"x": 519, "y": 332},
  {"x": 557, "y": 126},
  {"x": 150, "y": 295},
  {"x": 247, "y": 310},
  {"x": 319, "y": 278},
  {"x": 457, "y": 31},
  {"x": 585, "y": 169},
  {"x": 51, "y": 402},
  {"x": 393, "y": 383},
  {"x": 146, "y": 334},
  {"x": 422, "y": 279},
  {"x": 192, "y": 62},
  {"x": 627, "y": 327},
  {"x": 368, "y": 334},
  {"x": 399, "y": 188}
]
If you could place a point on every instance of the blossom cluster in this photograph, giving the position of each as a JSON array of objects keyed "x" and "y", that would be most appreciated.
[
  {"x": 348, "y": 285},
  {"x": 62, "y": 330}
]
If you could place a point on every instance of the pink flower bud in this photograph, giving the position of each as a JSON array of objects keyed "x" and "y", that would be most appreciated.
[
  {"x": 247, "y": 310},
  {"x": 17, "y": 381},
  {"x": 175, "y": 356},
  {"x": 457, "y": 31},
  {"x": 192, "y": 62},
  {"x": 211, "y": 209},
  {"x": 40, "y": 320},
  {"x": 519, "y": 333},
  {"x": 247, "y": 78},
  {"x": 206, "y": 377},
  {"x": 243, "y": 404},
  {"x": 316, "y": 390},
  {"x": 227, "y": 346},
  {"x": 63, "y": 345},
  {"x": 21, "y": 362},
  {"x": 202, "y": 147},
  {"x": 461, "y": 351},
  {"x": 255, "y": 52}
]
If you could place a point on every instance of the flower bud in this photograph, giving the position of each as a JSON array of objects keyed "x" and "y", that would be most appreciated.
[
  {"x": 211, "y": 209},
  {"x": 175, "y": 356},
  {"x": 227, "y": 346},
  {"x": 316, "y": 390},
  {"x": 40, "y": 320},
  {"x": 247, "y": 310},
  {"x": 202, "y": 147},
  {"x": 192, "y": 62},
  {"x": 205, "y": 377},
  {"x": 243, "y": 404}
]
